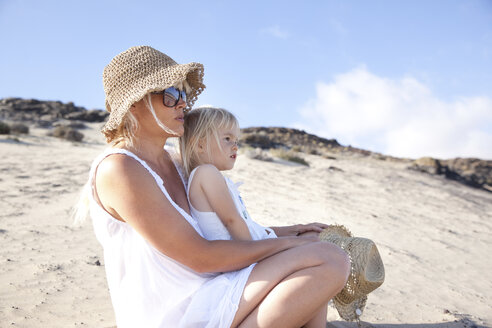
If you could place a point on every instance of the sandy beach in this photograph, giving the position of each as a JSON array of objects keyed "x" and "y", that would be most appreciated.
[{"x": 434, "y": 234}]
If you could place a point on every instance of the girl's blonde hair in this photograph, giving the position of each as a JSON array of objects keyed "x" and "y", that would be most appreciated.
[{"x": 201, "y": 127}]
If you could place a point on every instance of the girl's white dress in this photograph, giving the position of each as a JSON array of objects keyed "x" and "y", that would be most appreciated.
[
  {"x": 149, "y": 289},
  {"x": 211, "y": 225}
]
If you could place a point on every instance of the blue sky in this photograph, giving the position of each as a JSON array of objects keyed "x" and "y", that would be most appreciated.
[{"x": 407, "y": 78}]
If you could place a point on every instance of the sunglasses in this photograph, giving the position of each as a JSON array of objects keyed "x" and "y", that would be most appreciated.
[{"x": 171, "y": 96}]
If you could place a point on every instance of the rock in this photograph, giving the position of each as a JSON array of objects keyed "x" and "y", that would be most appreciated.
[
  {"x": 334, "y": 168},
  {"x": 473, "y": 172},
  {"x": 43, "y": 124},
  {"x": 427, "y": 164},
  {"x": 44, "y": 113},
  {"x": 276, "y": 137},
  {"x": 93, "y": 115}
]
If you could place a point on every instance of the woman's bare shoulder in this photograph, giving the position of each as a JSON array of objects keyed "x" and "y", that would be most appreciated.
[
  {"x": 117, "y": 164},
  {"x": 119, "y": 170}
]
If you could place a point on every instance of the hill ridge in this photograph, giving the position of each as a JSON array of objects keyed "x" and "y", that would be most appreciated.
[{"x": 473, "y": 172}]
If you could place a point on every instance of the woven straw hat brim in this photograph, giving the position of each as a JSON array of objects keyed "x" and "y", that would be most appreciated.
[
  {"x": 367, "y": 270},
  {"x": 140, "y": 70},
  {"x": 348, "y": 311}
]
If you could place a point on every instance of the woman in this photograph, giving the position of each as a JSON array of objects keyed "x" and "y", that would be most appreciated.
[{"x": 161, "y": 271}]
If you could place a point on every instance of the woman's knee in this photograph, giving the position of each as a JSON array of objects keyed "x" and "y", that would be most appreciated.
[
  {"x": 329, "y": 252},
  {"x": 343, "y": 266},
  {"x": 336, "y": 261},
  {"x": 319, "y": 253}
]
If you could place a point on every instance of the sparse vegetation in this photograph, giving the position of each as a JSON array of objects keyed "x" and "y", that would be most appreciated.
[
  {"x": 297, "y": 148},
  {"x": 4, "y": 128},
  {"x": 257, "y": 140},
  {"x": 75, "y": 124},
  {"x": 329, "y": 157},
  {"x": 257, "y": 153},
  {"x": 19, "y": 128},
  {"x": 289, "y": 155},
  {"x": 68, "y": 133}
]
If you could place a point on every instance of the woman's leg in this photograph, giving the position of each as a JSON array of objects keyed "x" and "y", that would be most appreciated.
[
  {"x": 319, "y": 319},
  {"x": 289, "y": 288}
]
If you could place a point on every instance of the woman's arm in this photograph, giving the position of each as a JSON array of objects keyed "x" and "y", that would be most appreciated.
[
  {"x": 130, "y": 193},
  {"x": 299, "y": 229},
  {"x": 209, "y": 190}
]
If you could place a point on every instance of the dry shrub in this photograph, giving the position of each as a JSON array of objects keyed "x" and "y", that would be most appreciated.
[
  {"x": 67, "y": 133},
  {"x": 297, "y": 148},
  {"x": 19, "y": 128},
  {"x": 4, "y": 128},
  {"x": 257, "y": 153},
  {"x": 289, "y": 155}
]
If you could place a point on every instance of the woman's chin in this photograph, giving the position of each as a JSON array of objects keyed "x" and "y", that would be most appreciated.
[{"x": 177, "y": 131}]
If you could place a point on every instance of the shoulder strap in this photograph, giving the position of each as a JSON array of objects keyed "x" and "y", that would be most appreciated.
[
  {"x": 111, "y": 151},
  {"x": 157, "y": 178},
  {"x": 190, "y": 178},
  {"x": 175, "y": 158}
]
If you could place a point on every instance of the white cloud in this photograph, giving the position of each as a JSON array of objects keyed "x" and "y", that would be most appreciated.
[
  {"x": 276, "y": 32},
  {"x": 400, "y": 117}
]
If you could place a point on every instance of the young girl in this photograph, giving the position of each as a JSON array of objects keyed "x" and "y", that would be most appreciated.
[{"x": 208, "y": 146}]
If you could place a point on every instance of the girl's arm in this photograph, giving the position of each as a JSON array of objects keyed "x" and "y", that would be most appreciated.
[
  {"x": 129, "y": 193},
  {"x": 209, "y": 190}
]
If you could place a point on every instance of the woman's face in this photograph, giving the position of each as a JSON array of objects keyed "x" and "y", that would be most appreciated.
[{"x": 171, "y": 117}]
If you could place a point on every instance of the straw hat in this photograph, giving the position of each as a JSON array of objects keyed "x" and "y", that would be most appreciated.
[
  {"x": 366, "y": 270},
  {"x": 140, "y": 70}
]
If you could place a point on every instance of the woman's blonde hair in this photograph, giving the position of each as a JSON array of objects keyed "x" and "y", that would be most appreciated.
[
  {"x": 201, "y": 127},
  {"x": 125, "y": 135}
]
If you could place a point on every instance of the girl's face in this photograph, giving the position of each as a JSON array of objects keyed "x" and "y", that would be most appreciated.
[{"x": 223, "y": 155}]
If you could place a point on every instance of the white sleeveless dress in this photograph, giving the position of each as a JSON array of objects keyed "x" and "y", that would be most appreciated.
[
  {"x": 149, "y": 289},
  {"x": 210, "y": 223}
]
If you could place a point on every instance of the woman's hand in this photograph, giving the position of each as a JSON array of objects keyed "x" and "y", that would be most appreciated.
[{"x": 299, "y": 229}]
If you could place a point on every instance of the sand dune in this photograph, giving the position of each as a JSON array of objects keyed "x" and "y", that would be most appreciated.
[{"x": 434, "y": 234}]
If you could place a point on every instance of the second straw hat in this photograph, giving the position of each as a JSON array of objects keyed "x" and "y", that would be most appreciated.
[
  {"x": 366, "y": 270},
  {"x": 140, "y": 70}
]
